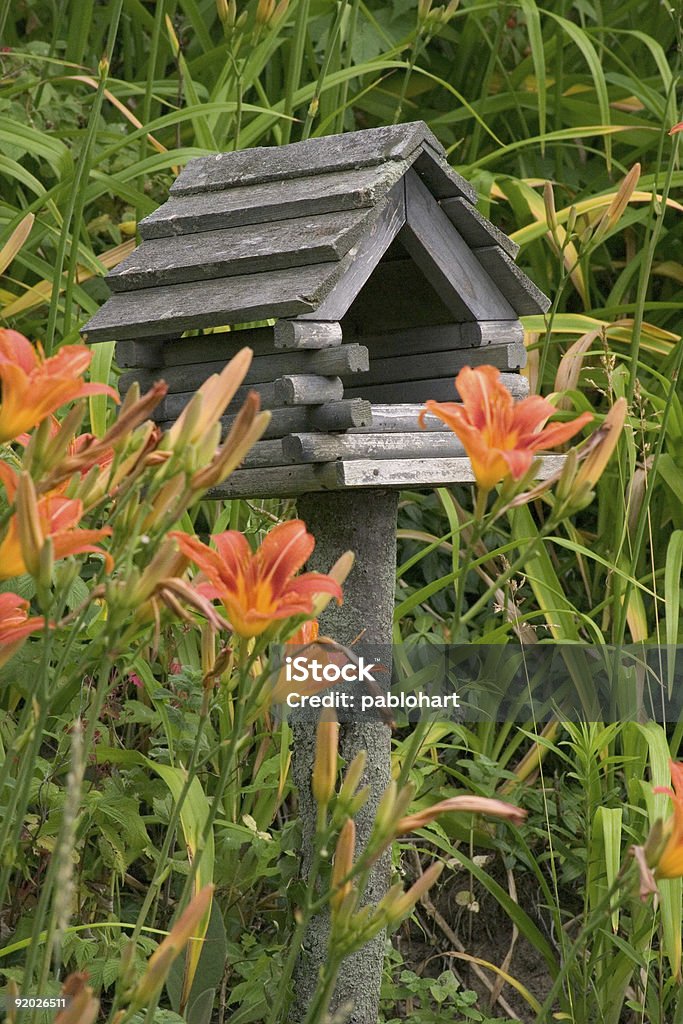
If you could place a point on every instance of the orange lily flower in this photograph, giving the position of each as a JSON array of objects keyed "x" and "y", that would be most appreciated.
[
  {"x": 48, "y": 516},
  {"x": 33, "y": 386},
  {"x": 669, "y": 864},
  {"x": 15, "y": 625},
  {"x": 259, "y": 589},
  {"x": 500, "y": 436}
]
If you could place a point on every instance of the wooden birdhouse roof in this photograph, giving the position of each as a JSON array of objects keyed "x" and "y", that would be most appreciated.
[
  {"x": 382, "y": 279},
  {"x": 296, "y": 231}
]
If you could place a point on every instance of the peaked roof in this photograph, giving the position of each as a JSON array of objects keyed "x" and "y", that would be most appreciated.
[{"x": 296, "y": 231}]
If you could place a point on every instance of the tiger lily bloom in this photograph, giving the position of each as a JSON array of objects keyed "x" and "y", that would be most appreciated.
[
  {"x": 36, "y": 519},
  {"x": 260, "y": 589},
  {"x": 669, "y": 862},
  {"x": 15, "y": 625},
  {"x": 500, "y": 436},
  {"x": 33, "y": 386}
]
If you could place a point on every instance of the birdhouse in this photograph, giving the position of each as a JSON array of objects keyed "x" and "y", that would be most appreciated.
[{"x": 377, "y": 279}]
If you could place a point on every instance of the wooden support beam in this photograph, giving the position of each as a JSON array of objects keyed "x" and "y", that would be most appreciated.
[
  {"x": 146, "y": 354},
  {"x": 447, "y": 261},
  {"x": 408, "y": 473},
  {"x": 427, "y": 365},
  {"x": 441, "y": 338},
  {"x": 328, "y": 447},
  {"x": 304, "y": 334},
  {"x": 289, "y": 481},
  {"x": 344, "y": 359},
  {"x": 398, "y": 419},
  {"x": 308, "y": 389},
  {"x": 331, "y": 416},
  {"x": 441, "y": 389},
  {"x": 208, "y": 348}
]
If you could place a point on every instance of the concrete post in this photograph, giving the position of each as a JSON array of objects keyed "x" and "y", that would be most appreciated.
[{"x": 365, "y": 523}]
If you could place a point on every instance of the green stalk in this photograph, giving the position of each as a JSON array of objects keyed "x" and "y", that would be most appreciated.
[
  {"x": 74, "y": 211},
  {"x": 295, "y": 65},
  {"x": 313, "y": 106}
]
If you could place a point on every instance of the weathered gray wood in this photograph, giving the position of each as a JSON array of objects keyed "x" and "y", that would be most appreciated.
[
  {"x": 308, "y": 389},
  {"x": 398, "y": 419},
  {"x": 331, "y": 153},
  {"x": 172, "y": 405},
  {"x": 248, "y": 249},
  {"x": 289, "y": 481},
  {"x": 342, "y": 415},
  {"x": 144, "y": 354},
  {"x": 359, "y": 263},
  {"x": 441, "y": 338},
  {"x": 328, "y": 447},
  {"x": 265, "y": 453},
  {"x": 208, "y": 348},
  {"x": 439, "y": 177},
  {"x": 427, "y": 365},
  {"x": 519, "y": 289},
  {"x": 345, "y": 359},
  {"x": 447, "y": 260},
  {"x": 441, "y": 389},
  {"x": 331, "y": 416},
  {"x": 306, "y": 334},
  {"x": 279, "y": 481},
  {"x": 272, "y": 201},
  {"x": 408, "y": 473},
  {"x": 182, "y": 307},
  {"x": 475, "y": 228}
]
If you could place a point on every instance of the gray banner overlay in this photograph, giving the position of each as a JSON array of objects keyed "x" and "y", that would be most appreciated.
[{"x": 480, "y": 683}]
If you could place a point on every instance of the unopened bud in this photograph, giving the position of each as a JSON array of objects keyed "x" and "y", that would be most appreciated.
[
  {"x": 27, "y": 519},
  {"x": 343, "y": 865},
  {"x": 325, "y": 764},
  {"x": 404, "y": 904}
]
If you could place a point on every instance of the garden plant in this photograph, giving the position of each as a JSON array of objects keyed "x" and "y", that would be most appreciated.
[{"x": 149, "y": 836}]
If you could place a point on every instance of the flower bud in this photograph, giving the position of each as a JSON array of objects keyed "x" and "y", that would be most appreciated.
[
  {"x": 343, "y": 865},
  {"x": 325, "y": 764}
]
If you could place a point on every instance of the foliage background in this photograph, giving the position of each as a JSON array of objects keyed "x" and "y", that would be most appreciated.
[{"x": 100, "y": 103}]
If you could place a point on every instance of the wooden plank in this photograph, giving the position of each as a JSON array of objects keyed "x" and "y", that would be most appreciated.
[
  {"x": 345, "y": 359},
  {"x": 308, "y": 389},
  {"x": 271, "y": 201},
  {"x": 440, "y": 389},
  {"x": 446, "y": 259},
  {"x": 328, "y": 447},
  {"x": 328, "y": 154},
  {"x": 427, "y": 365},
  {"x": 442, "y": 338},
  {"x": 143, "y": 354},
  {"x": 282, "y": 481},
  {"x": 519, "y": 290},
  {"x": 299, "y": 334},
  {"x": 419, "y": 474},
  {"x": 248, "y": 249},
  {"x": 359, "y": 263},
  {"x": 221, "y": 345},
  {"x": 440, "y": 178},
  {"x": 328, "y": 417},
  {"x": 172, "y": 405},
  {"x": 181, "y": 307},
  {"x": 265, "y": 453},
  {"x": 475, "y": 228},
  {"x": 398, "y": 419}
]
